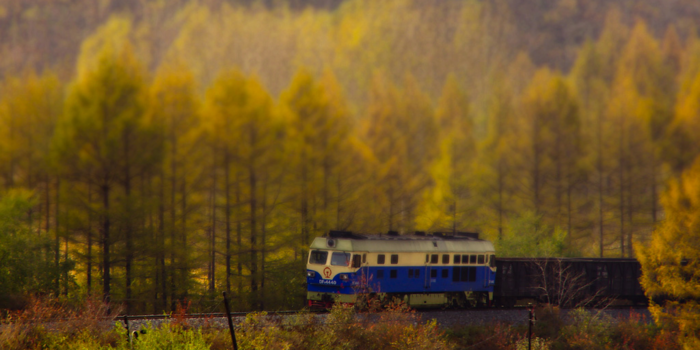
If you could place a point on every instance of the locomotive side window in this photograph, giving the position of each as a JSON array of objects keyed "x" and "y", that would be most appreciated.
[
  {"x": 472, "y": 274},
  {"x": 455, "y": 273},
  {"x": 410, "y": 273},
  {"x": 380, "y": 259},
  {"x": 434, "y": 259},
  {"x": 380, "y": 274},
  {"x": 464, "y": 275},
  {"x": 472, "y": 259},
  {"x": 457, "y": 259},
  {"x": 318, "y": 257},
  {"x": 393, "y": 274},
  {"x": 481, "y": 260},
  {"x": 340, "y": 259},
  {"x": 356, "y": 260},
  {"x": 445, "y": 273},
  {"x": 465, "y": 259},
  {"x": 427, "y": 258},
  {"x": 445, "y": 259},
  {"x": 433, "y": 273},
  {"x": 416, "y": 273},
  {"x": 394, "y": 259}
]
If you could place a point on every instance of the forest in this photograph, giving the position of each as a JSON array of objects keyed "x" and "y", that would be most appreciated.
[{"x": 157, "y": 151}]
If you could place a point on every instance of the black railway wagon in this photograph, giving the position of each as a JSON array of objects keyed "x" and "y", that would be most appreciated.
[{"x": 568, "y": 282}]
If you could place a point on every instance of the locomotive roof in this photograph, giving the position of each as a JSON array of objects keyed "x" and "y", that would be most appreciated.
[{"x": 403, "y": 243}]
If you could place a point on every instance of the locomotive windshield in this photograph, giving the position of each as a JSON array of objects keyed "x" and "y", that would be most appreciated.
[
  {"x": 318, "y": 257},
  {"x": 340, "y": 259}
]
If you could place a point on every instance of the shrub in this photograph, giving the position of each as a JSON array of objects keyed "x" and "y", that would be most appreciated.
[
  {"x": 497, "y": 336},
  {"x": 535, "y": 344},
  {"x": 168, "y": 336},
  {"x": 47, "y": 321}
]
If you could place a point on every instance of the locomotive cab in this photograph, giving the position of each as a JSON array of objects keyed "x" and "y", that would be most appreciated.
[{"x": 334, "y": 271}]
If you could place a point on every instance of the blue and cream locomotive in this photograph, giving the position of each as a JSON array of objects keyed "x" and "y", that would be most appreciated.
[{"x": 439, "y": 269}]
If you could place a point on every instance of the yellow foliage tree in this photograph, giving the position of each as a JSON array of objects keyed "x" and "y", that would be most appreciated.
[
  {"x": 671, "y": 263},
  {"x": 247, "y": 154},
  {"x": 447, "y": 199},
  {"x": 174, "y": 108}
]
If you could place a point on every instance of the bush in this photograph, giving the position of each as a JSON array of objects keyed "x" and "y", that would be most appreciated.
[
  {"x": 497, "y": 336},
  {"x": 46, "y": 321},
  {"x": 535, "y": 344},
  {"x": 397, "y": 327}
]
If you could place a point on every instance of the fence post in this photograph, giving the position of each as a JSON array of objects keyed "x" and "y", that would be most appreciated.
[
  {"x": 529, "y": 329},
  {"x": 230, "y": 323},
  {"x": 128, "y": 333}
]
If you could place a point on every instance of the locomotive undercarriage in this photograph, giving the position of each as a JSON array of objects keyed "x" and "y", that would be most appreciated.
[{"x": 454, "y": 300}]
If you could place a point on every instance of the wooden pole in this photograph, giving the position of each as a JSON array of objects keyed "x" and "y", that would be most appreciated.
[{"x": 230, "y": 323}]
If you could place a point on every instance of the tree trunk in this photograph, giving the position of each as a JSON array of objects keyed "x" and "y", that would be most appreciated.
[
  {"x": 173, "y": 228},
  {"x": 227, "y": 190},
  {"x": 105, "y": 242},
  {"x": 339, "y": 186},
  {"x": 654, "y": 209},
  {"x": 304, "y": 206},
  {"x": 57, "y": 244},
  {"x": 536, "y": 168},
  {"x": 128, "y": 227},
  {"x": 600, "y": 183},
  {"x": 184, "y": 268},
  {"x": 501, "y": 180},
  {"x": 620, "y": 176},
  {"x": 47, "y": 193},
  {"x": 263, "y": 224},
  {"x": 160, "y": 255},
  {"x": 89, "y": 241},
  {"x": 569, "y": 215},
  {"x": 239, "y": 234},
  {"x": 212, "y": 233},
  {"x": 253, "y": 244}
]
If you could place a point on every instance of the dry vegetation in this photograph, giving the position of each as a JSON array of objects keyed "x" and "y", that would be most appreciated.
[{"x": 46, "y": 325}]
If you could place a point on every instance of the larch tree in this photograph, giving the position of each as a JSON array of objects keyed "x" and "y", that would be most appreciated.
[
  {"x": 591, "y": 89},
  {"x": 29, "y": 110},
  {"x": 681, "y": 149},
  {"x": 671, "y": 262},
  {"x": 105, "y": 142},
  {"x": 552, "y": 151},
  {"x": 336, "y": 150},
  {"x": 402, "y": 132},
  {"x": 174, "y": 109},
  {"x": 494, "y": 169},
  {"x": 449, "y": 196},
  {"x": 240, "y": 112},
  {"x": 306, "y": 107},
  {"x": 641, "y": 109}
]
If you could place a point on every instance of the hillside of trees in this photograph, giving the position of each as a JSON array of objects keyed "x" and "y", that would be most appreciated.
[{"x": 156, "y": 151}]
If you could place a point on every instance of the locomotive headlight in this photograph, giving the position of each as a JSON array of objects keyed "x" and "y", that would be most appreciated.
[
  {"x": 343, "y": 277},
  {"x": 311, "y": 274}
]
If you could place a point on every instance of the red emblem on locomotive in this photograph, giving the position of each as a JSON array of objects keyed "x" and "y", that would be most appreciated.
[{"x": 327, "y": 272}]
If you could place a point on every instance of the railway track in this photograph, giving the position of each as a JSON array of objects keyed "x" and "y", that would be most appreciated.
[{"x": 445, "y": 318}]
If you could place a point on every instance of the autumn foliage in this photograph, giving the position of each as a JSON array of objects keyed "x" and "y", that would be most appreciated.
[{"x": 163, "y": 151}]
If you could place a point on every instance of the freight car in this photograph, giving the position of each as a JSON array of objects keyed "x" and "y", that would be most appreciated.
[
  {"x": 423, "y": 270},
  {"x": 568, "y": 282}
]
